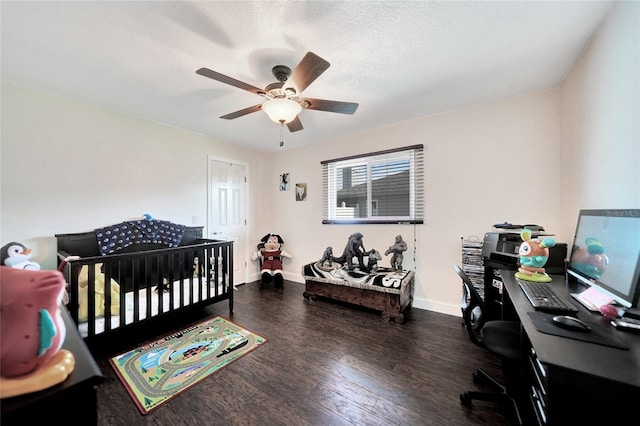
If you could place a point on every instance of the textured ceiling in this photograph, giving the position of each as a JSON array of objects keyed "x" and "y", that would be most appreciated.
[{"x": 398, "y": 59}]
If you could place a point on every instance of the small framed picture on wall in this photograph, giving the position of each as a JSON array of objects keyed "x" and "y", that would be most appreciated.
[
  {"x": 284, "y": 182},
  {"x": 301, "y": 191}
]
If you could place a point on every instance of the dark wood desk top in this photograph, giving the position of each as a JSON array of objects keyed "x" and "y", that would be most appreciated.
[{"x": 617, "y": 365}]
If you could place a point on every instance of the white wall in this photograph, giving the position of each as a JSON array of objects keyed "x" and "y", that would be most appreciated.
[
  {"x": 483, "y": 165},
  {"x": 600, "y": 120},
  {"x": 69, "y": 167},
  {"x": 537, "y": 158}
]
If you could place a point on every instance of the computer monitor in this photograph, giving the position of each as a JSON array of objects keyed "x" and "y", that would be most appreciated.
[{"x": 606, "y": 253}]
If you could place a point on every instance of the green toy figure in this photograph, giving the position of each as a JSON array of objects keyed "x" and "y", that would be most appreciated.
[{"x": 534, "y": 254}]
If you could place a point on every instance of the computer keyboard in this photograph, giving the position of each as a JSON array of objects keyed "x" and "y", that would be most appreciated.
[{"x": 543, "y": 297}]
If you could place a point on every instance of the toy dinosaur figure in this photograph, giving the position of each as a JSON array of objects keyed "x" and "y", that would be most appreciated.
[{"x": 354, "y": 248}]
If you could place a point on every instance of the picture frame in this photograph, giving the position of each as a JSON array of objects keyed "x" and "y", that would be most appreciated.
[
  {"x": 284, "y": 182},
  {"x": 301, "y": 192}
]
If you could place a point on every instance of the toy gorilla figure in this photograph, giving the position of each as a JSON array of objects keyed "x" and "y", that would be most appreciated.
[
  {"x": 398, "y": 248},
  {"x": 327, "y": 257},
  {"x": 374, "y": 258},
  {"x": 354, "y": 248},
  {"x": 270, "y": 253}
]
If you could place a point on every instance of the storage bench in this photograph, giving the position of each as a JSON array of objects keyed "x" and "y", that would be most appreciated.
[{"x": 385, "y": 290}]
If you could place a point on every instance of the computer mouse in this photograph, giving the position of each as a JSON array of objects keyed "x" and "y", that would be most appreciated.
[{"x": 571, "y": 323}]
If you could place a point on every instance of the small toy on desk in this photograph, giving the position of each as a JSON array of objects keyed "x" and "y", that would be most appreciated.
[
  {"x": 16, "y": 255},
  {"x": 534, "y": 254},
  {"x": 609, "y": 311}
]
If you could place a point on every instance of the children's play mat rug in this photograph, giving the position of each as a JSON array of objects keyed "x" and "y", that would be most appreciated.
[{"x": 157, "y": 372}]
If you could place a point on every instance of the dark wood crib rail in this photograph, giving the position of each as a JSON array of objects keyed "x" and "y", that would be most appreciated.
[{"x": 203, "y": 263}]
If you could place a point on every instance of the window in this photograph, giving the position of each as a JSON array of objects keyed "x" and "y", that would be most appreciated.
[{"x": 380, "y": 187}]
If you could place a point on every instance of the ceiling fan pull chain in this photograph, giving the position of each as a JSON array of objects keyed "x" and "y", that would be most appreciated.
[{"x": 281, "y": 131}]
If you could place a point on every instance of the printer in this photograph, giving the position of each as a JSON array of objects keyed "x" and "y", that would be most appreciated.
[{"x": 500, "y": 251}]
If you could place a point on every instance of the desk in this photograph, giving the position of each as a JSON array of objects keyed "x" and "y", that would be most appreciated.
[
  {"x": 572, "y": 381},
  {"x": 75, "y": 398}
]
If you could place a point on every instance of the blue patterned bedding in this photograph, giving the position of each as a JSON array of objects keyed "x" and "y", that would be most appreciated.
[{"x": 117, "y": 237}]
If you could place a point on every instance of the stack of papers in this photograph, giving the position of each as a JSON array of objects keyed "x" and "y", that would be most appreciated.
[{"x": 593, "y": 299}]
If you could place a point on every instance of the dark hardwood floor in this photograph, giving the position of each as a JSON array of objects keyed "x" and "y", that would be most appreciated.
[{"x": 325, "y": 363}]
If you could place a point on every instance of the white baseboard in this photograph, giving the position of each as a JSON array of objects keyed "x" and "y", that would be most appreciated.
[{"x": 437, "y": 306}]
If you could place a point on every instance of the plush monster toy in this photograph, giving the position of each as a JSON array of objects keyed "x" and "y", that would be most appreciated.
[
  {"x": 32, "y": 331},
  {"x": 534, "y": 254},
  {"x": 270, "y": 254}
]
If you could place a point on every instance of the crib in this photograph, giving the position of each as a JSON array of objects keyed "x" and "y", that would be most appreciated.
[{"x": 114, "y": 294}]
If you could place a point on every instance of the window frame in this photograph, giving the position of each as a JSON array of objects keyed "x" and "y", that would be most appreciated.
[{"x": 413, "y": 154}]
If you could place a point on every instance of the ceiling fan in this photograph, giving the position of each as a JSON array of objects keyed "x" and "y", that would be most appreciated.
[{"x": 283, "y": 102}]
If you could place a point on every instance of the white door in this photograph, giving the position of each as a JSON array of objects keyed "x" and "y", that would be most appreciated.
[{"x": 227, "y": 210}]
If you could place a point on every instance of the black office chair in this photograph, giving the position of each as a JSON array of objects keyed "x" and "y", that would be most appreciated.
[{"x": 502, "y": 338}]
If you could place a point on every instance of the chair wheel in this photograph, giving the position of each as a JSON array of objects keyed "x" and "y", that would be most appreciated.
[
  {"x": 465, "y": 399},
  {"x": 477, "y": 378}
]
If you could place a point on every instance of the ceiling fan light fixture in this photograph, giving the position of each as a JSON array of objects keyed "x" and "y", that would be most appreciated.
[{"x": 281, "y": 110}]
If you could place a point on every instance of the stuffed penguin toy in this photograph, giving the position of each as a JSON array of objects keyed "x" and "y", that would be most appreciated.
[{"x": 17, "y": 256}]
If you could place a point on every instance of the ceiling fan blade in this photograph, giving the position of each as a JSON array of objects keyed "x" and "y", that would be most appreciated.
[
  {"x": 295, "y": 125},
  {"x": 329, "y": 106},
  {"x": 306, "y": 72},
  {"x": 242, "y": 112},
  {"x": 228, "y": 80}
]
